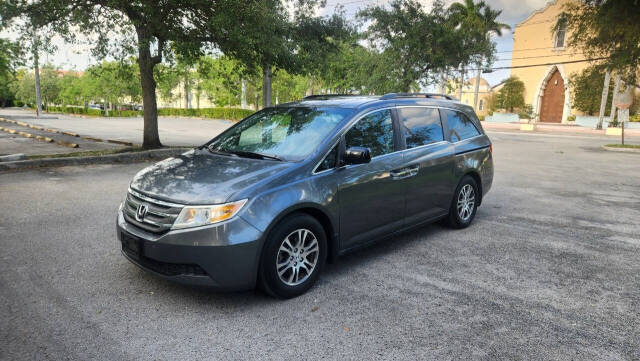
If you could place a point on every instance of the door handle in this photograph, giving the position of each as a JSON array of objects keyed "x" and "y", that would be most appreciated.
[
  {"x": 400, "y": 173},
  {"x": 405, "y": 172}
]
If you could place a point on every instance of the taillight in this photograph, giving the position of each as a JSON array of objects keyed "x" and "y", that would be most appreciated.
[{"x": 491, "y": 148}]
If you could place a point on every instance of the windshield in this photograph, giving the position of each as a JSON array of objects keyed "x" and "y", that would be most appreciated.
[{"x": 284, "y": 133}]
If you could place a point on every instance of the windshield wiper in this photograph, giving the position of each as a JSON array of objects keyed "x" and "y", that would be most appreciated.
[
  {"x": 243, "y": 153},
  {"x": 218, "y": 151}
]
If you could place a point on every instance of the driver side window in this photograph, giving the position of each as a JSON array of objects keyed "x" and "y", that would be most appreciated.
[{"x": 374, "y": 131}]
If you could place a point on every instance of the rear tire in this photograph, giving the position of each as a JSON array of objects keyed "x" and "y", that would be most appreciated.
[
  {"x": 293, "y": 257},
  {"x": 464, "y": 204}
]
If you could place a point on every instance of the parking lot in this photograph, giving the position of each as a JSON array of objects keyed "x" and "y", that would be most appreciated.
[{"x": 549, "y": 270}]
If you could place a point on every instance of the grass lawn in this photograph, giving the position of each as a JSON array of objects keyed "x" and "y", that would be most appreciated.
[
  {"x": 632, "y": 146},
  {"x": 88, "y": 153}
]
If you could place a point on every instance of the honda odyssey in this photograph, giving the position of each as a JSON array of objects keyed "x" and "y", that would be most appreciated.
[{"x": 273, "y": 198}]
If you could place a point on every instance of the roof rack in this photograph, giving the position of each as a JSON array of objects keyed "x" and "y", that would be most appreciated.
[
  {"x": 320, "y": 96},
  {"x": 416, "y": 95}
]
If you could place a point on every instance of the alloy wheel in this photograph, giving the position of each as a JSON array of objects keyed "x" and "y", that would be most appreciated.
[
  {"x": 466, "y": 202},
  {"x": 297, "y": 257}
]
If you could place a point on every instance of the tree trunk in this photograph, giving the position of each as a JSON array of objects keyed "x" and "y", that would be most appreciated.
[
  {"x": 603, "y": 99},
  {"x": 443, "y": 82},
  {"x": 150, "y": 138},
  {"x": 477, "y": 89},
  {"x": 186, "y": 91},
  {"x": 461, "y": 84},
  {"x": 243, "y": 94},
  {"x": 36, "y": 67},
  {"x": 266, "y": 86},
  {"x": 616, "y": 88}
]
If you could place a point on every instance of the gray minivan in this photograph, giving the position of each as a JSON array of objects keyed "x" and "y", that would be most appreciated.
[{"x": 275, "y": 196}]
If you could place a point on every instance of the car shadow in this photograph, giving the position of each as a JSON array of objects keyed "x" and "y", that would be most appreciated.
[{"x": 351, "y": 262}]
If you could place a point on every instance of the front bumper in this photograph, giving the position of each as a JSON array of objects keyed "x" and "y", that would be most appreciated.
[{"x": 224, "y": 256}]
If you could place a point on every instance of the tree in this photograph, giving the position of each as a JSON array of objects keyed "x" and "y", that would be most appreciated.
[
  {"x": 587, "y": 88},
  {"x": 410, "y": 41},
  {"x": 10, "y": 59},
  {"x": 511, "y": 96},
  {"x": 49, "y": 85},
  {"x": 296, "y": 42},
  {"x": 23, "y": 87},
  {"x": 606, "y": 29},
  {"x": 114, "y": 82},
  {"x": 143, "y": 25},
  {"x": 474, "y": 24},
  {"x": 221, "y": 79}
]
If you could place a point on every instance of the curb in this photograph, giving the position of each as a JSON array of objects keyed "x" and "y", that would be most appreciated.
[
  {"x": 98, "y": 159},
  {"x": 58, "y": 131},
  {"x": 621, "y": 150}
]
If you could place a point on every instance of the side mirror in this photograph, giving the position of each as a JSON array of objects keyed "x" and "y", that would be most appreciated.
[{"x": 357, "y": 155}]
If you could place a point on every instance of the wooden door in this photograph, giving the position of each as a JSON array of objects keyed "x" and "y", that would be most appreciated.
[{"x": 553, "y": 99}]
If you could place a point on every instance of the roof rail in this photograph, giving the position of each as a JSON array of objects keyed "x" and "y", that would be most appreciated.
[
  {"x": 416, "y": 95},
  {"x": 320, "y": 96}
]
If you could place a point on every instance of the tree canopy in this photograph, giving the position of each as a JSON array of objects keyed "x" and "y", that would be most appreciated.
[
  {"x": 606, "y": 29},
  {"x": 511, "y": 95}
]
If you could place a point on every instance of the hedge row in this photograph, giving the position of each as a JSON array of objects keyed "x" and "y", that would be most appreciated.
[{"x": 216, "y": 113}]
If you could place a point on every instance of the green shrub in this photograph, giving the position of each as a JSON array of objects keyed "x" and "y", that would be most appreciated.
[
  {"x": 216, "y": 113},
  {"x": 526, "y": 112},
  {"x": 481, "y": 117},
  {"x": 634, "y": 118},
  {"x": 571, "y": 118}
]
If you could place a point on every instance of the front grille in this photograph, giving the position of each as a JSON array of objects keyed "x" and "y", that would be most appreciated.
[{"x": 159, "y": 217}]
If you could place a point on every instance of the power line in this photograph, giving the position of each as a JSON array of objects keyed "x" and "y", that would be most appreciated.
[
  {"x": 519, "y": 50},
  {"x": 534, "y": 65},
  {"x": 538, "y": 56}
]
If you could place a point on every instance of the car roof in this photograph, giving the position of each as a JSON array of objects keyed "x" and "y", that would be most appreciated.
[{"x": 364, "y": 101}]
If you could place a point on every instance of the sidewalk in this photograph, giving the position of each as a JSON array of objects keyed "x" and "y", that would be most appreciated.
[{"x": 560, "y": 129}]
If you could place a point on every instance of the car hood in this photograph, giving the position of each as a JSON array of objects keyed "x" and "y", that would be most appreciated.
[{"x": 201, "y": 177}]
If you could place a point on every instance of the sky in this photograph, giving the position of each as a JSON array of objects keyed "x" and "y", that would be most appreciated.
[{"x": 78, "y": 57}]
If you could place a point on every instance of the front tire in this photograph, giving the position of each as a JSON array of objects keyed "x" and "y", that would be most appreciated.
[
  {"x": 294, "y": 255},
  {"x": 464, "y": 204}
]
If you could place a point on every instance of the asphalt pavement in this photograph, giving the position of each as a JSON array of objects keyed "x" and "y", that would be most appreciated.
[{"x": 549, "y": 271}]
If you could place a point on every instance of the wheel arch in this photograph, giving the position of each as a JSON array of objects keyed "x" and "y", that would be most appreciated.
[{"x": 321, "y": 216}]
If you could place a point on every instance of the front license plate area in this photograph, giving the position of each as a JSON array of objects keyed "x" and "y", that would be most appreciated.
[{"x": 131, "y": 245}]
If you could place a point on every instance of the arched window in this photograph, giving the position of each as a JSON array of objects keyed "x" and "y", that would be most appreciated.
[{"x": 561, "y": 32}]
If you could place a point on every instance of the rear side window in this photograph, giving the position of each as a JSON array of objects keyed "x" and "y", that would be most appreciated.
[
  {"x": 420, "y": 126},
  {"x": 374, "y": 131},
  {"x": 460, "y": 126}
]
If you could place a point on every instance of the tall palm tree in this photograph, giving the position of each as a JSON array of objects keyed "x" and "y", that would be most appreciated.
[{"x": 476, "y": 22}]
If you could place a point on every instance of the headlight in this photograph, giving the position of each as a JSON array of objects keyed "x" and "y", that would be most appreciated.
[{"x": 202, "y": 215}]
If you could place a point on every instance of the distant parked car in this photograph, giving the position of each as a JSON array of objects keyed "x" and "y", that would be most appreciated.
[
  {"x": 272, "y": 198},
  {"x": 96, "y": 106}
]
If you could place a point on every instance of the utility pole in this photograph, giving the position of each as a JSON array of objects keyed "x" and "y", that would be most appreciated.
[
  {"x": 475, "y": 92},
  {"x": 603, "y": 100}
]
